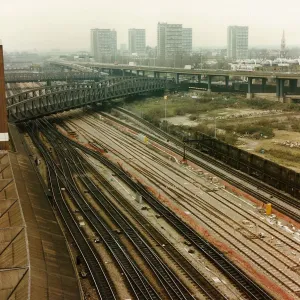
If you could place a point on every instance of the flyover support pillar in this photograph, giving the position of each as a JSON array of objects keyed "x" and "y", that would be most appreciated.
[
  {"x": 177, "y": 78},
  {"x": 209, "y": 78},
  {"x": 263, "y": 84},
  {"x": 226, "y": 82},
  {"x": 143, "y": 72},
  {"x": 3, "y": 113},
  {"x": 48, "y": 82},
  {"x": 199, "y": 78},
  {"x": 280, "y": 89},
  {"x": 249, "y": 94},
  {"x": 293, "y": 85},
  {"x": 123, "y": 72}
]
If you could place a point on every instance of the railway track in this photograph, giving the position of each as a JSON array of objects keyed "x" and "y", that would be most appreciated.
[
  {"x": 201, "y": 283},
  {"x": 219, "y": 222},
  {"x": 98, "y": 274},
  {"x": 216, "y": 167},
  {"x": 140, "y": 286},
  {"x": 244, "y": 283},
  {"x": 172, "y": 285}
]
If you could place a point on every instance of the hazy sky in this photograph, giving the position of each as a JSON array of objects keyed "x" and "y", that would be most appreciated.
[{"x": 65, "y": 24}]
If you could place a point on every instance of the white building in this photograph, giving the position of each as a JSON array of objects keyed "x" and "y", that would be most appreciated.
[
  {"x": 187, "y": 40},
  {"x": 137, "y": 41},
  {"x": 237, "y": 42},
  {"x": 103, "y": 44},
  {"x": 172, "y": 39}
]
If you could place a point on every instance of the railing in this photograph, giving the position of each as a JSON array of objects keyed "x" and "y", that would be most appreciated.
[{"x": 48, "y": 100}]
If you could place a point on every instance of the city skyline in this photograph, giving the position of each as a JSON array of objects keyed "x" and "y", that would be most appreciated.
[{"x": 46, "y": 28}]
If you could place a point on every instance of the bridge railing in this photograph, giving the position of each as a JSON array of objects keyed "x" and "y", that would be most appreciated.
[{"x": 67, "y": 97}]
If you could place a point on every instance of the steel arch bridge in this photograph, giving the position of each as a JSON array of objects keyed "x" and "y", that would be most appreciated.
[{"x": 44, "y": 101}]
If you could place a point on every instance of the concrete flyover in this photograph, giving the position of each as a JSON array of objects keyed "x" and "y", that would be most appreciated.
[
  {"x": 44, "y": 101},
  {"x": 279, "y": 77},
  {"x": 13, "y": 77}
]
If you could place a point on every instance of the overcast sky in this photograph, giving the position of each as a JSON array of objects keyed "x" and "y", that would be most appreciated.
[{"x": 66, "y": 24}]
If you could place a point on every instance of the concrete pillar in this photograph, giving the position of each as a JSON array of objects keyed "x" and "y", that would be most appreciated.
[
  {"x": 3, "y": 113},
  {"x": 226, "y": 82},
  {"x": 143, "y": 72},
  {"x": 130, "y": 71},
  {"x": 199, "y": 78},
  {"x": 277, "y": 87},
  {"x": 48, "y": 82},
  {"x": 209, "y": 78},
  {"x": 123, "y": 72},
  {"x": 177, "y": 78},
  {"x": 293, "y": 85},
  {"x": 281, "y": 91},
  {"x": 263, "y": 84},
  {"x": 249, "y": 94}
]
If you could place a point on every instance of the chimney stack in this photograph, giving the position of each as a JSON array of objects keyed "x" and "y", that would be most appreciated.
[{"x": 3, "y": 112}]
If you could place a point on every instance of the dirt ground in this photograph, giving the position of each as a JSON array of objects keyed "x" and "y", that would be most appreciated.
[{"x": 290, "y": 155}]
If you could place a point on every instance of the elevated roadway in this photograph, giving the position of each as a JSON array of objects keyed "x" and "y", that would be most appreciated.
[{"x": 278, "y": 77}]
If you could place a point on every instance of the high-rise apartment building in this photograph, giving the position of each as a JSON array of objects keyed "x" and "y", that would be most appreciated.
[
  {"x": 169, "y": 40},
  {"x": 137, "y": 41},
  {"x": 187, "y": 40},
  {"x": 103, "y": 44},
  {"x": 237, "y": 42}
]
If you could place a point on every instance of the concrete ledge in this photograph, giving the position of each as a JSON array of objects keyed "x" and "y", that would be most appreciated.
[{"x": 267, "y": 96}]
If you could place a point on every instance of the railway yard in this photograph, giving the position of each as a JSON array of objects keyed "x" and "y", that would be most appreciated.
[{"x": 142, "y": 223}]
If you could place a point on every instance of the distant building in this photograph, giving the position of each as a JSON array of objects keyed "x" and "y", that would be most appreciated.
[
  {"x": 187, "y": 40},
  {"x": 137, "y": 41},
  {"x": 169, "y": 40},
  {"x": 103, "y": 44},
  {"x": 282, "y": 46},
  {"x": 123, "y": 47},
  {"x": 237, "y": 42}
]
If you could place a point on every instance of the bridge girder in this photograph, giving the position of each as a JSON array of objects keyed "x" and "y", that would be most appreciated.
[
  {"x": 53, "y": 76},
  {"x": 48, "y": 100}
]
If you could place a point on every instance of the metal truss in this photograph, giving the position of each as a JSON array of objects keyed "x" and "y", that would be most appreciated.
[
  {"x": 48, "y": 100},
  {"x": 52, "y": 76}
]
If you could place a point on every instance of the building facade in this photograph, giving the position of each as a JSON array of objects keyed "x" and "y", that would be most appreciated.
[
  {"x": 103, "y": 44},
  {"x": 169, "y": 40},
  {"x": 237, "y": 42},
  {"x": 187, "y": 40},
  {"x": 137, "y": 41}
]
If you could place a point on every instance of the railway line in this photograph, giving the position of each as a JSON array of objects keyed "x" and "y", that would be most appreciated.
[
  {"x": 140, "y": 286},
  {"x": 249, "y": 287},
  {"x": 280, "y": 201},
  {"x": 99, "y": 276},
  {"x": 180, "y": 292},
  {"x": 216, "y": 220}
]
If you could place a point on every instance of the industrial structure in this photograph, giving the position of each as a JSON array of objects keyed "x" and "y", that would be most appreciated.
[
  {"x": 44, "y": 101},
  {"x": 103, "y": 44},
  {"x": 237, "y": 42},
  {"x": 3, "y": 114},
  {"x": 279, "y": 77},
  {"x": 137, "y": 41}
]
